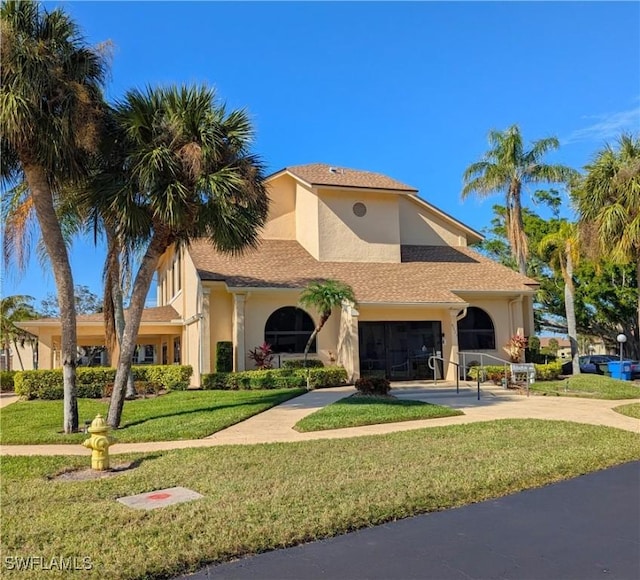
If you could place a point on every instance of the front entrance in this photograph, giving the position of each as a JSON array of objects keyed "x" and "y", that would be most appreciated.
[{"x": 400, "y": 350}]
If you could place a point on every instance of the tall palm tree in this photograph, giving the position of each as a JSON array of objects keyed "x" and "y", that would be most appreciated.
[
  {"x": 608, "y": 203},
  {"x": 507, "y": 167},
  {"x": 324, "y": 296},
  {"x": 15, "y": 309},
  {"x": 188, "y": 173},
  {"x": 561, "y": 250},
  {"x": 50, "y": 110}
]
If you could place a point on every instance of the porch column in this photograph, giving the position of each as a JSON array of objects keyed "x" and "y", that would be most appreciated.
[
  {"x": 205, "y": 331},
  {"x": 453, "y": 347},
  {"x": 170, "y": 353},
  {"x": 348, "y": 354},
  {"x": 238, "y": 332}
]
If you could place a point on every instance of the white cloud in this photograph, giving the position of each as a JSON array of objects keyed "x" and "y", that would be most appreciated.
[{"x": 607, "y": 126}]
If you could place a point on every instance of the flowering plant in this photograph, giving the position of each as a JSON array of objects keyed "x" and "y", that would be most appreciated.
[
  {"x": 517, "y": 343},
  {"x": 263, "y": 356}
]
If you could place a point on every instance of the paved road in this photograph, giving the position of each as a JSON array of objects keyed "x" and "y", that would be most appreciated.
[{"x": 582, "y": 529}]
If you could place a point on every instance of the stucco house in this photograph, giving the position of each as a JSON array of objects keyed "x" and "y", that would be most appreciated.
[{"x": 421, "y": 290}]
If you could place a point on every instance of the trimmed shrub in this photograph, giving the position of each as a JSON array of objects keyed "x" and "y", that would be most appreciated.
[
  {"x": 39, "y": 384},
  {"x": 495, "y": 373},
  {"x": 373, "y": 386},
  {"x": 276, "y": 379},
  {"x": 168, "y": 377},
  {"x": 97, "y": 382},
  {"x": 224, "y": 356},
  {"x": 6, "y": 381},
  {"x": 325, "y": 377},
  {"x": 298, "y": 363},
  {"x": 549, "y": 372}
]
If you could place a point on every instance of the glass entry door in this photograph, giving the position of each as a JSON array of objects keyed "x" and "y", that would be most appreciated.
[{"x": 400, "y": 350}]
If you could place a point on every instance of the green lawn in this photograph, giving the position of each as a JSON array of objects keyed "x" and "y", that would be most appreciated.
[
  {"x": 589, "y": 386},
  {"x": 261, "y": 497},
  {"x": 176, "y": 415},
  {"x": 356, "y": 411},
  {"x": 631, "y": 410}
]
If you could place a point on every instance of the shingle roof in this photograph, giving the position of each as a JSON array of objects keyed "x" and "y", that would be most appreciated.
[
  {"x": 323, "y": 174},
  {"x": 155, "y": 314},
  {"x": 427, "y": 274}
]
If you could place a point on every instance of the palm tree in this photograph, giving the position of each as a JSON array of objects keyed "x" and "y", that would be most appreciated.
[
  {"x": 50, "y": 109},
  {"x": 324, "y": 296},
  {"x": 507, "y": 167},
  {"x": 608, "y": 203},
  {"x": 188, "y": 173},
  {"x": 561, "y": 250},
  {"x": 14, "y": 309}
]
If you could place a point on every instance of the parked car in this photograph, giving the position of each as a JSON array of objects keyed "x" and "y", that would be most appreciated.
[{"x": 590, "y": 364}]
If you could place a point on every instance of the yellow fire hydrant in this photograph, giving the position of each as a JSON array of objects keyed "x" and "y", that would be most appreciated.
[{"x": 99, "y": 443}]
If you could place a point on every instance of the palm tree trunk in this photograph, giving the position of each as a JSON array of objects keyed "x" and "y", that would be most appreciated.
[
  {"x": 59, "y": 258},
  {"x": 115, "y": 294},
  {"x": 515, "y": 230},
  {"x": 570, "y": 310},
  {"x": 159, "y": 243},
  {"x": 15, "y": 345},
  {"x": 315, "y": 332}
]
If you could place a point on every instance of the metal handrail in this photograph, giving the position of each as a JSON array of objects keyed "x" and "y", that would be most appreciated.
[
  {"x": 482, "y": 356},
  {"x": 432, "y": 366}
]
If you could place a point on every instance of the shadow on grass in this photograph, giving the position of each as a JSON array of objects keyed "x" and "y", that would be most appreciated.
[{"x": 271, "y": 400}]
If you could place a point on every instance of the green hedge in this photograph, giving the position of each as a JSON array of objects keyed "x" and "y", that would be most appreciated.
[
  {"x": 276, "y": 379},
  {"x": 224, "y": 356},
  {"x": 6, "y": 381},
  {"x": 298, "y": 363},
  {"x": 495, "y": 373},
  {"x": 96, "y": 382}
]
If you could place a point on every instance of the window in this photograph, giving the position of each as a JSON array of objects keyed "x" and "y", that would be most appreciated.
[
  {"x": 144, "y": 354},
  {"x": 288, "y": 329},
  {"x": 475, "y": 331}
]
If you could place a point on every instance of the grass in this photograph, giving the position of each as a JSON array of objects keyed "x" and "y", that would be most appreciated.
[
  {"x": 631, "y": 410},
  {"x": 589, "y": 386},
  {"x": 262, "y": 497},
  {"x": 176, "y": 415},
  {"x": 356, "y": 411}
]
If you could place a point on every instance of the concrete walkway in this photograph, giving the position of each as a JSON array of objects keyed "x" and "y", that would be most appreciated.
[{"x": 275, "y": 425}]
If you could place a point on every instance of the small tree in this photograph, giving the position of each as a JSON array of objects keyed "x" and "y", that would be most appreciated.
[{"x": 324, "y": 296}]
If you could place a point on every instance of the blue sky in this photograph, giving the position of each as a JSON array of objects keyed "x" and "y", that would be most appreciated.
[{"x": 406, "y": 89}]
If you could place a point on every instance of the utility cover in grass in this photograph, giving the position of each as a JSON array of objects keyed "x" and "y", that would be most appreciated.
[{"x": 159, "y": 498}]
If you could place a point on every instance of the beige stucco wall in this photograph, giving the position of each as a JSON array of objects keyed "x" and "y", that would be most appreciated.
[
  {"x": 281, "y": 221},
  {"x": 260, "y": 305},
  {"x": 420, "y": 226},
  {"x": 509, "y": 315},
  {"x": 16, "y": 354},
  {"x": 221, "y": 318},
  {"x": 307, "y": 220},
  {"x": 345, "y": 237}
]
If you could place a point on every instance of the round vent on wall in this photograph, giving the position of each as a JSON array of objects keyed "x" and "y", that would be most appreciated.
[{"x": 359, "y": 209}]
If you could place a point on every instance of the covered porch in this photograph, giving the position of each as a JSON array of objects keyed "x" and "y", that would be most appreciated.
[{"x": 159, "y": 339}]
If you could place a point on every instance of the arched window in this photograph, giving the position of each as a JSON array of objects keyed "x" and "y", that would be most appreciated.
[
  {"x": 288, "y": 329},
  {"x": 475, "y": 331}
]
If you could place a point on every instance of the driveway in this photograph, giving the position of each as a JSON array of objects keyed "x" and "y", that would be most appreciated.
[{"x": 582, "y": 529}]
